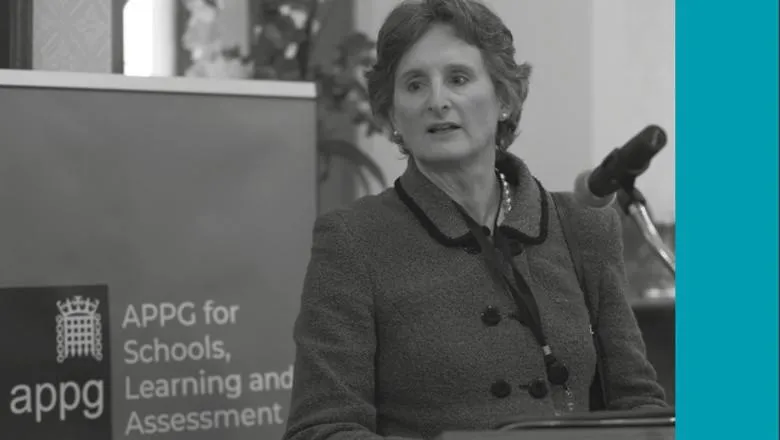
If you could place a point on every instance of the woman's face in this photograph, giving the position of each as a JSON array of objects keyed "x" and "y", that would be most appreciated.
[{"x": 444, "y": 103}]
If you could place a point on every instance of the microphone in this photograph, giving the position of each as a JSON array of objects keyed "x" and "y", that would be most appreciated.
[
  {"x": 596, "y": 188},
  {"x": 634, "y": 204}
]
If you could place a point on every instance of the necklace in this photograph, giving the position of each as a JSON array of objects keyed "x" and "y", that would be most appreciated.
[{"x": 506, "y": 196}]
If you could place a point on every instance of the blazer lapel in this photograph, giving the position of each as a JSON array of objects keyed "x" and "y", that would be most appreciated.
[{"x": 526, "y": 224}]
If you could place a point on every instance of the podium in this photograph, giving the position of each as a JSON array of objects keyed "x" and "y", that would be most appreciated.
[{"x": 655, "y": 424}]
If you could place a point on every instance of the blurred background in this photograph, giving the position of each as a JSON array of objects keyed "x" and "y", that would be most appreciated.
[{"x": 602, "y": 69}]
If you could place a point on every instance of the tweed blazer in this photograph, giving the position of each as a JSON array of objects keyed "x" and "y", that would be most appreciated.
[{"x": 402, "y": 332}]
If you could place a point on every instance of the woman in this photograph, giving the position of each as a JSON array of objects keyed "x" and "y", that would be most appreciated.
[{"x": 450, "y": 302}]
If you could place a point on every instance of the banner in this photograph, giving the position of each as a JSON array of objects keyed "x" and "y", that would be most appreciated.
[{"x": 152, "y": 252}]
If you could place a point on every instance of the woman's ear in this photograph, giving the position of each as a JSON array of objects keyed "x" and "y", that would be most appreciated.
[
  {"x": 504, "y": 101},
  {"x": 392, "y": 131}
]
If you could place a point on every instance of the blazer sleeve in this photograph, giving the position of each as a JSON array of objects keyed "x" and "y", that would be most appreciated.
[
  {"x": 629, "y": 378},
  {"x": 333, "y": 385}
]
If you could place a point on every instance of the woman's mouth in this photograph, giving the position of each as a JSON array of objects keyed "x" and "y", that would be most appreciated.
[{"x": 442, "y": 128}]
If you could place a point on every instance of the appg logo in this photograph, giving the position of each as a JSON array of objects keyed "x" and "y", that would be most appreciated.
[
  {"x": 78, "y": 329},
  {"x": 57, "y": 384}
]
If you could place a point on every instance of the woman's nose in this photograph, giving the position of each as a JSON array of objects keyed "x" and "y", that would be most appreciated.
[{"x": 438, "y": 100}]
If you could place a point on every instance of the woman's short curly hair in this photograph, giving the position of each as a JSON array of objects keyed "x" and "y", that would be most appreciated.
[{"x": 477, "y": 25}]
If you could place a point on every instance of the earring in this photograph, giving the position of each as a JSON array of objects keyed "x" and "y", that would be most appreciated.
[
  {"x": 503, "y": 116},
  {"x": 396, "y": 138}
]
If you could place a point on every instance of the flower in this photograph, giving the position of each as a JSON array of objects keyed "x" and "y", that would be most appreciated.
[{"x": 210, "y": 58}]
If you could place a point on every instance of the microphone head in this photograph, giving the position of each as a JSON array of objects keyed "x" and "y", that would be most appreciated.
[
  {"x": 655, "y": 136},
  {"x": 584, "y": 196},
  {"x": 640, "y": 150}
]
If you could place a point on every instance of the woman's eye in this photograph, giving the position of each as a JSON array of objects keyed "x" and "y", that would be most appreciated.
[
  {"x": 459, "y": 80},
  {"x": 413, "y": 86}
]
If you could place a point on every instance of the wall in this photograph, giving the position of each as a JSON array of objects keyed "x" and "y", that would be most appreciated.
[
  {"x": 602, "y": 70},
  {"x": 557, "y": 122},
  {"x": 77, "y": 35},
  {"x": 634, "y": 86}
]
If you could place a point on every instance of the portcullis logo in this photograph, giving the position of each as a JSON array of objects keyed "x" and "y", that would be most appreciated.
[
  {"x": 78, "y": 329},
  {"x": 57, "y": 374}
]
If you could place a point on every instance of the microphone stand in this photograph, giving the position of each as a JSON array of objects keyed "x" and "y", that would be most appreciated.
[{"x": 634, "y": 204}]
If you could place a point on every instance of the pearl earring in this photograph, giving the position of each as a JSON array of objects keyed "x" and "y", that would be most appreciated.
[
  {"x": 504, "y": 116},
  {"x": 396, "y": 138}
]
